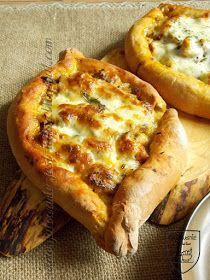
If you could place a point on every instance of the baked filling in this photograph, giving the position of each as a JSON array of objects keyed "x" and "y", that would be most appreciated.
[
  {"x": 95, "y": 126},
  {"x": 183, "y": 43}
]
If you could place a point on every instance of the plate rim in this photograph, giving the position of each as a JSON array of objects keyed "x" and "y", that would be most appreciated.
[{"x": 206, "y": 197}]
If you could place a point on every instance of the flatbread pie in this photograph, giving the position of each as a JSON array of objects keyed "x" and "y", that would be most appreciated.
[
  {"x": 170, "y": 48},
  {"x": 102, "y": 141},
  {"x": 194, "y": 182}
]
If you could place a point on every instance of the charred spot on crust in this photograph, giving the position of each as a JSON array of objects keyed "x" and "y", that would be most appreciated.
[
  {"x": 101, "y": 179},
  {"x": 50, "y": 80}
]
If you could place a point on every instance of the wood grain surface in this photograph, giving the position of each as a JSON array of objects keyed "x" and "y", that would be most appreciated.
[{"x": 27, "y": 217}]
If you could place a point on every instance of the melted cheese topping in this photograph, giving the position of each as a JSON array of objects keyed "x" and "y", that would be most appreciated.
[
  {"x": 184, "y": 45},
  {"x": 95, "y": 128}
]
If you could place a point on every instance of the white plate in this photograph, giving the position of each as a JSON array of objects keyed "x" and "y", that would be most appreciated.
[{"x": 195, "y": 249}]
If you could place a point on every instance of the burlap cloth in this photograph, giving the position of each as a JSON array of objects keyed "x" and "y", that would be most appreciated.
[{"x": 30, "y": 39}]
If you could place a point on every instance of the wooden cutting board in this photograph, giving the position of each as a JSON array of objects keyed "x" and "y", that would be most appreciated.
[
  {"x": 195, "y": 181},
  {"x": 27, "y": 217}
]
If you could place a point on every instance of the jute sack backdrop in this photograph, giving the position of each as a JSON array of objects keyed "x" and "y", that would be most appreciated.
[{"x": 31, "y": 38}]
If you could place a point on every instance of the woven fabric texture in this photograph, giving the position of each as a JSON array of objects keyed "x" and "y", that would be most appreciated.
[{"x": 31, "y": 38}]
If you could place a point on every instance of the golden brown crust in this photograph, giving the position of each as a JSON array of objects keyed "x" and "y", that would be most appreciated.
[
  {"x": 116, "y": 57},
  {"x": 194, "y": 183},
  {"x": 86, "y": 198},
  {"x": 182, "y": 91},
  {"x": 140, "y": 193},
  {"x": 72, "y": 194}
]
